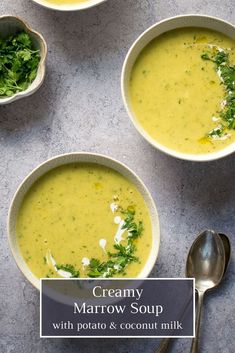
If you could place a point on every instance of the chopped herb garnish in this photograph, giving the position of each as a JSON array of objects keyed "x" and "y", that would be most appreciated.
[
  {"x": 69, "y": 268},
  {"x": 217, "y": 132},
  {"x": 226, "y": 73},
  {"x": 18, "y": 63},
  {"x": 124, "y": 254},
  {"x": 134, "y": 229},
  {"x": 117, "y": 262}
]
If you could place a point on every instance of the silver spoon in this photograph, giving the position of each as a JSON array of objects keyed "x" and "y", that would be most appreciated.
[
  {"x": 227, "y": 248},
  {"x": 206, "y": 263}
]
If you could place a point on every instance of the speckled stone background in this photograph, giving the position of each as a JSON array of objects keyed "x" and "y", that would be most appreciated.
[{"x": 79, "y": 108}]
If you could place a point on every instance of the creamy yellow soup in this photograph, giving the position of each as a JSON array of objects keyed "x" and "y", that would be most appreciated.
[
  {"x": 175, "y": 95},
  {"x": 75, "y": 213}
]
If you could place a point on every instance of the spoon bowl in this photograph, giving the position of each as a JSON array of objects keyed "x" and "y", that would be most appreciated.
[{"x": 206, "y": 261}]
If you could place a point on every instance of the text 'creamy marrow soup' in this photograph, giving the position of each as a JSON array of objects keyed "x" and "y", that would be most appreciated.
[
  {"x": 182, "y": 90},
  {"x": 84, "y": 220}
]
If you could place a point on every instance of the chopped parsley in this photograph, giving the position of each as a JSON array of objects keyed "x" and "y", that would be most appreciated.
[
  {"x": 18, "y": 63},
  {"x": 134, "y": 229},
  {"x": 123, "y": 254},
  {"x": 217, "y": 132},
  {"x": 69, "y": 268},
  {"x": 226, "y": 72}
]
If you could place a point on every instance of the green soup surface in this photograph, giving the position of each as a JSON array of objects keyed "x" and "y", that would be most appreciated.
[
  {"x": 177, "y": 95},
  {"x": 79, "y": 212}
]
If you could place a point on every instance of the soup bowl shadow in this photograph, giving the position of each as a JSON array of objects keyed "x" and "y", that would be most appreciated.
[
  {"x": 182, "y": 21},
  {"x": 79, "y": 157}
]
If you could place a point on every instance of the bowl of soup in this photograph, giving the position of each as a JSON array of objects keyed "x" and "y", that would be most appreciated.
[
  {"x": 178, "y": 87},
  {"x": 68, "y": 5},
  {"x": 83, "y": 215}
]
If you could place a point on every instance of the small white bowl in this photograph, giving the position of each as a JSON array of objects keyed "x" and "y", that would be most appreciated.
[
  {"x": 69, "y": 7},
  {"x": 10, "y": 25},
  {"x": 76, "y": 158},
  {"x": 201, "y": 21}
]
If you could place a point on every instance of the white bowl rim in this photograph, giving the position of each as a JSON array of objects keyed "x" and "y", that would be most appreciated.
[
  {"x": 206, "y": 157},
  {"x": 41, "y": 67},
  {"x": 145, "y": 272},
  {"x": 69, "y": 7}
]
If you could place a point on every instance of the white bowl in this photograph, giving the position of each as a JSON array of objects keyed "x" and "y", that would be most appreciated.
[
  {"x": 76, "y": 158},
  {"x": 69, "y": 7},
  {"x": 141, "y": 42},
  {"x": 10, "y": 25}
]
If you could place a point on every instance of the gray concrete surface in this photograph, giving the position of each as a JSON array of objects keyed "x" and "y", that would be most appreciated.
[{"x": 79, "y": 108}]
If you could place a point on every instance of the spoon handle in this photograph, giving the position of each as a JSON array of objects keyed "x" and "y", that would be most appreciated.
[
  {"x": 194, "y": 347},
  {"x": 164, "y": 345}
]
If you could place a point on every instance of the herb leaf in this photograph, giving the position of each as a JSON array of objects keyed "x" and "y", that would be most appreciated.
[{"x": 69, "y": 268}]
